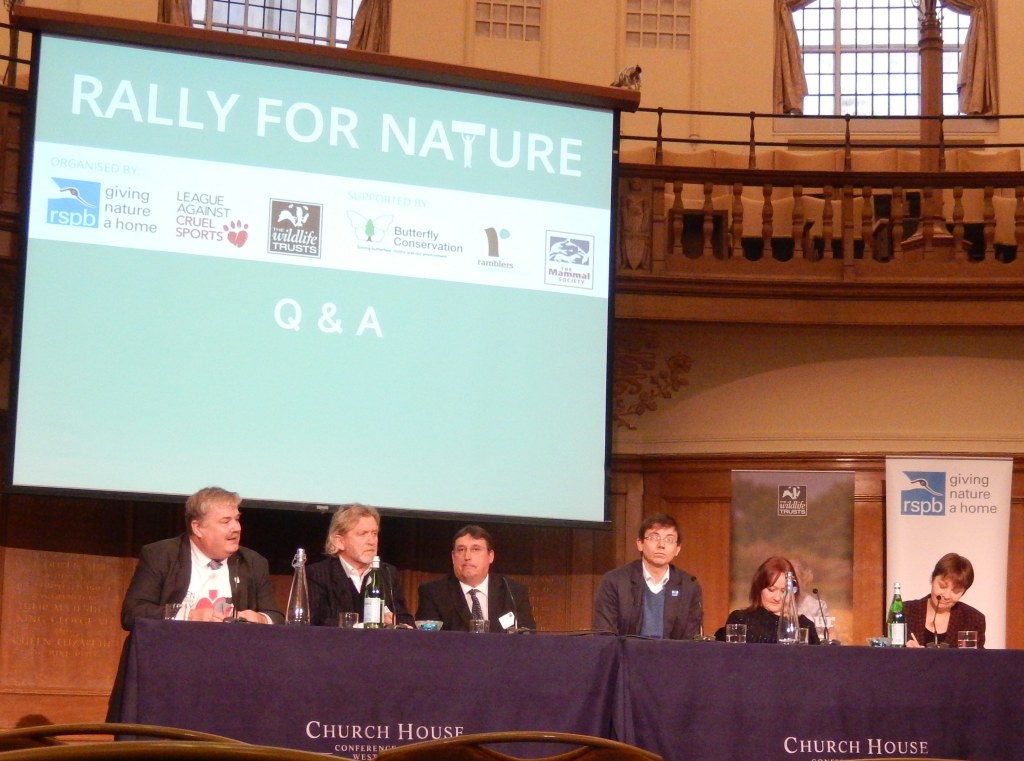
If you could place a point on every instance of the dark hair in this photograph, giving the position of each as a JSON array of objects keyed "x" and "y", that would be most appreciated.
[
  {"x": 658, "y": 519},
  {"x": 765, "y": 574},
  {"x": 476, "y": 532},
  {"x": 957, "y": 569}
]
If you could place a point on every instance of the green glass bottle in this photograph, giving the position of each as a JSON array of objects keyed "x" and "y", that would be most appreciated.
[
  {"x": 373, "y": 597},
  {"x": 897, "y": 619}
]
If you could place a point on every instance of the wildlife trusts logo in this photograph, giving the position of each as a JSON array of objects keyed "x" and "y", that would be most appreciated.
[
  {"x": 295, "y": 228},
  {"x": 75, "y": 205},
  {"x": 792, "y": 500}
]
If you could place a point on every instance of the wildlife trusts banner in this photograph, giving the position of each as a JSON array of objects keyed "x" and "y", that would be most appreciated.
[
  {"x": 936, "y": 505},
  {"x": 806, "y": 516}
]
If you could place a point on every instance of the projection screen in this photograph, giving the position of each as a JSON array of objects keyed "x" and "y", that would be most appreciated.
[{"x": 312, "y": 286}]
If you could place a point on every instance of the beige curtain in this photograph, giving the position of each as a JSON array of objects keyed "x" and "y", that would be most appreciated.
[
  {"x": 976, "y": 83},
  {"x": 371, "y": 28},
  {"x": 790, "y": 84},
  {"x": 177, "y": 12}
]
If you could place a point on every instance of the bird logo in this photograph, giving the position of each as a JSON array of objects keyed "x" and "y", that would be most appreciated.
[
  {"x": 920, "y": 483},
  {"x": 70, "y": 191}
]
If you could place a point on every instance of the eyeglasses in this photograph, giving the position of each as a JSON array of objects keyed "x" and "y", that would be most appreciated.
[{"x": 668, "y": 541}]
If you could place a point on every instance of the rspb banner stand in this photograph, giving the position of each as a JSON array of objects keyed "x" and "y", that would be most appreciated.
[{"x": 936, "y": 505}]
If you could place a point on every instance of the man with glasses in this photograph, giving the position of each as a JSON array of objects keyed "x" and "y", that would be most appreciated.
[
  {"x": 650, "y": 597},
  {"x": 473, "y": 592}
]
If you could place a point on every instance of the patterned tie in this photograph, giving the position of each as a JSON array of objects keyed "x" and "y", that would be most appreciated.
[
  {"x": 477, "y": 611},
  {"x": 215, "y": 564}
]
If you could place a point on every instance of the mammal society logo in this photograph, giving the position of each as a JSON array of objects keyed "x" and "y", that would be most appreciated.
[{"x": 76, "y": 204}]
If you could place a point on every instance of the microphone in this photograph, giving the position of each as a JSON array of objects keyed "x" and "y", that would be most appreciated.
[
  {"x": 515, "y": 628},
  {"x": 390, "y": 595},
  {"x": 700, "y": 607},
  {"x": 824, "y": 620}
]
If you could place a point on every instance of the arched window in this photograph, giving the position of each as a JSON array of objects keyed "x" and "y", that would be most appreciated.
[
  {"x": 318, "y": 22},
  {"x": 861, "y": 57}
]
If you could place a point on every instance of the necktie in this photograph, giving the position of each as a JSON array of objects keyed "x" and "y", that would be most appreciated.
[
  {"x": 215, "y": 564},
  {"x": 477, "y": 611}
]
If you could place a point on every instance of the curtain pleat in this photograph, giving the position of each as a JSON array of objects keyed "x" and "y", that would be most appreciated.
[
  {"x": 371, "y": 28},
  {"x": 789, "y": 82},
  {"x": 976, "y": 83},
  {"x": 178, "y": 12}
]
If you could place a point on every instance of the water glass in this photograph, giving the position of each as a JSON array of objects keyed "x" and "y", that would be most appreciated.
[
  {"x": 348, "y": 620},
  {"x": 479, "y": 626},
  {"x": 803, "y": 635},
  {"x": 736, "y": 633},
  {"x": 175, "y": 611},
  {"x": 967, "y": 639}
]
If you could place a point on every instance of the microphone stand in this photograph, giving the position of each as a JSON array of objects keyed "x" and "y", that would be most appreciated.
[
  {"x": 821, "y": 612},
  {"x": 700, "y": 607}
]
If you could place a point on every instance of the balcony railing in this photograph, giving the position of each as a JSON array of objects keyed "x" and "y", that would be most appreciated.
[{"x": 867, "y": 208}]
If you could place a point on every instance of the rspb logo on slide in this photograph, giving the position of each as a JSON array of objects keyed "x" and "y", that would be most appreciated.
[
  {"x": 76, "y": 204},
  {"x": 925, "y": 495}
]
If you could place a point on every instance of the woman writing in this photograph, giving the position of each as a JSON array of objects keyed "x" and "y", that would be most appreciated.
[{"x": 936, "y": 619}]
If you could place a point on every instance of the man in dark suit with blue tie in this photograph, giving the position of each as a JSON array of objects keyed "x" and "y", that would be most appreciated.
[
  {"x": 471, "y": 591},
  {"x": 205, "y": 568}
]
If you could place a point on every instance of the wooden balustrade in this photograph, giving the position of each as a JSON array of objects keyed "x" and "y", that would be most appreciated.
[{"x": 692, "y": 221}]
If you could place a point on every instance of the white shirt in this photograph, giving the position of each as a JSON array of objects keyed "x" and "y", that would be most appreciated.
[
  {"x": 356, "y": 576},
  {"x": 655, "y": 586},
  {"x": 481, "y": 595},
  {"x": 208, "y": 587}
]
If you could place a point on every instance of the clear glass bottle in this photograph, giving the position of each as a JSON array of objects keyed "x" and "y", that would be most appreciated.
[
  {"x": 298, "y": 596},
  {"x": 789, "y": 620},
  {"x": 897, "y": 620},
  {"x": 373, "y": 597}
]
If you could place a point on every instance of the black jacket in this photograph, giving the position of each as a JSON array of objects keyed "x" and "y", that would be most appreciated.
[
  {"x": 164, "y": 571},
  {"x": 331, "y": 592}
]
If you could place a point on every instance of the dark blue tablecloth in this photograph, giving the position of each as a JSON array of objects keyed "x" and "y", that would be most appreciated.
[
  {"x": 713, "y": 701},
  {"x": 355, "y": 692}
]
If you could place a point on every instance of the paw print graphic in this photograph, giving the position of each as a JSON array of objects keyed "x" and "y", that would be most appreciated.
[{"x": 238, "y": 233}]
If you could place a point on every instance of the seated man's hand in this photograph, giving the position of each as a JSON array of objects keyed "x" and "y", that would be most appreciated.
[
  {"x": 205, "y": 614},
  {"x": 252, "y": 616}
]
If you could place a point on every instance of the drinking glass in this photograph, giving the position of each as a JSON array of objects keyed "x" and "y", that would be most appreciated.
[
  {"x": 173, "y": 611},
  {"x": 736, "y": 633},
  {"x": 479, "y": 626},
  {"x": 967, "y": 639}
]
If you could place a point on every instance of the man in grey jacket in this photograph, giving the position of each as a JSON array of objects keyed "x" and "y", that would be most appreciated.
[{"x": 650, "y": 597}]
